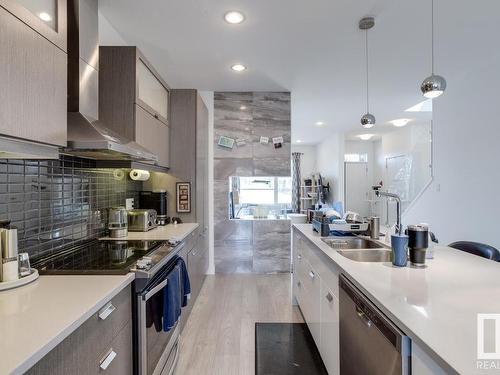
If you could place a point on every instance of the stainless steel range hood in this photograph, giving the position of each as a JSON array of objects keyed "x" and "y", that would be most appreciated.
[{"x": 88, "y": 137}]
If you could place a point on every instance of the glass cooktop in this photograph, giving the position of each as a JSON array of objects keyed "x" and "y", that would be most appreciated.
[{"x": 96, "y": 257}]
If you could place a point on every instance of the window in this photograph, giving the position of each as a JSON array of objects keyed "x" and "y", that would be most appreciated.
[
  {"x": 259, "y": 194},
  {"x": 356, "y": 158}
]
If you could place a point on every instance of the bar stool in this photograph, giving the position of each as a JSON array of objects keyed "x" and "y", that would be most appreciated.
[{"x": 476, "y": 248}]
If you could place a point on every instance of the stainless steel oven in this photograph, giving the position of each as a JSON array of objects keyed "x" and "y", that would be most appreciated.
[{"x": 156, "y": 350}]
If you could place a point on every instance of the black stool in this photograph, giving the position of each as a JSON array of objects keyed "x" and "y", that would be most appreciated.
[{"x": 476, "y": 248}]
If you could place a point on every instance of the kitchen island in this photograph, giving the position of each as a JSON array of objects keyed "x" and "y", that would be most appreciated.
[{"x": 437, "y": 306}]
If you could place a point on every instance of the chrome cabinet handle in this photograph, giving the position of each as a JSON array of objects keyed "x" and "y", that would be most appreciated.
[
  {"x": 363, "y": 317},
  {"x": 311, "y": 274},
  {"x": 329, "y": 297},
  {"x": 299, "y": 256},
  {"x": 106, "y": 361},
  {"x": 106, "y": 311}
]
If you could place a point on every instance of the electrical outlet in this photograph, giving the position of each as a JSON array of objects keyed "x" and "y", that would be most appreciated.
[{"x": 129, "y": 203}]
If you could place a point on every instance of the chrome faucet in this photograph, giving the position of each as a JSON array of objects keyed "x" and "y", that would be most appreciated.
[{"x": 399, "y": 227}]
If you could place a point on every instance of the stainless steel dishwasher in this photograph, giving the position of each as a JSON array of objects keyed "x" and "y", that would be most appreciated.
[{"x": 370, "y": 344}]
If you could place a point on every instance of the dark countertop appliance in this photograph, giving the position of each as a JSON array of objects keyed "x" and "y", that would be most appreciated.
[{"x": 155, "y": 200}]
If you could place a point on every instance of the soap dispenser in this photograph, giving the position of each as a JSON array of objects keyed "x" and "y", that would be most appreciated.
[{"x": 8, "y": 240}]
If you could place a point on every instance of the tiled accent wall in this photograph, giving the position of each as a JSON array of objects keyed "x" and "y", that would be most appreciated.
[
  {"x": 56, "y": 203},
  {"x": 246, "y": 246}
]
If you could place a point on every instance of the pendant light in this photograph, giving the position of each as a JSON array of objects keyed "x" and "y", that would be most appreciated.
[
  {"x": 434, "y": 85},
  {"x": 368, "y": 120}
]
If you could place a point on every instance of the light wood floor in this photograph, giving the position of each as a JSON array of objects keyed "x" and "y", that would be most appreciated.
[{"x": 219, "y": 336}]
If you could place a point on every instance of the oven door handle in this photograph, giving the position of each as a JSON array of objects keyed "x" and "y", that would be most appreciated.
[{"x": 153, "y": 291}]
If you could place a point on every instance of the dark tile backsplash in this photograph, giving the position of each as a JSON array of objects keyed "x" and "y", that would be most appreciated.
[{"x": 56, "y": 203}]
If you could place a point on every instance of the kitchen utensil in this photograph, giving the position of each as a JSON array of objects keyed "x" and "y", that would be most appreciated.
[
  {"x": 140, "y": 220},
  {"x": 24, "y": 265},
  {"x": 8, "y": 236},
  {"x": 399, "y": 245},
  {"x": 374, "y": 227},
  {"x": 353, "y": 217},
  {"x": 155, "y": 200},
  {"x": 117, "y": 222},
  {"x": 418, "y": 242}
]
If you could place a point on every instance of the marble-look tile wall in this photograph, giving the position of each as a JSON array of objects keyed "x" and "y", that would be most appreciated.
[{"x": 250, "y": 246}]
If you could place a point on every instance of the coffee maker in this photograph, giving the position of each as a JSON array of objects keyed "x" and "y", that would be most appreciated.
[{"x": 155, "y": 200}]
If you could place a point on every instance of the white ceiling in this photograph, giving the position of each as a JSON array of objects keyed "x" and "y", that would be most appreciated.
[{"x": 312, "y": 48}]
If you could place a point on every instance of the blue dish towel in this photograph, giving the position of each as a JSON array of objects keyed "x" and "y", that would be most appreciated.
[
  {"x": 172, "y": 299},
  {"x": 185, "y": 284}
]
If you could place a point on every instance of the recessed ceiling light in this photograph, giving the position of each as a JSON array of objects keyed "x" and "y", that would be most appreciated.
[
  {"x": 44, "y": 16},
  {"x": 234, "y": 17},
  {"x": 298, "y": 141},
  {"x": 365, "y": 137},
  {"x": 400, "y": 122},
  {"x": 243, "y": 107},
  {"x": 238, "y": 67},
  {"x": 320, "y": 123}
]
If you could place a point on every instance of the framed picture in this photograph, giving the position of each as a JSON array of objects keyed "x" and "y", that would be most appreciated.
[
  {"x": 183, "y": 197},
  {"x": 226, "y": 142}
]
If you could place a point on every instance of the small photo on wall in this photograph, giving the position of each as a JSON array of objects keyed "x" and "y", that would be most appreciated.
[
  {"x": 278, "y": 142},
  {"x": 183, "y": 197}
]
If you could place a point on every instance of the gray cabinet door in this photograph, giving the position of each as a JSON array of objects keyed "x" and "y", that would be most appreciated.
[
  {"x": 152, "y": 134},
  {"x": 47, "y": 17},
  {"x": 33, "y": 98}
]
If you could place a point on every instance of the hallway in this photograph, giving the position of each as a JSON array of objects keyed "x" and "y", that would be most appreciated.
[{"x": 219, "y": 337}]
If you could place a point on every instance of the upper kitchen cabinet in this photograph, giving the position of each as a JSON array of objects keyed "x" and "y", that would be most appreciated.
[
  {"x": 134, "y": 100},
  {"x": 33, "y": 99},
  {"x": 46, "y": 17},
  {"x": 189, "y": 148}
]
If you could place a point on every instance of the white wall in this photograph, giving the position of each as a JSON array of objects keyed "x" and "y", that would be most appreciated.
[
  {"x": 330, "y": 163},
  {"x": 308, "y": 159},
  {"x": 108, "y": 36},
  {"x": 463, "y": 203}
]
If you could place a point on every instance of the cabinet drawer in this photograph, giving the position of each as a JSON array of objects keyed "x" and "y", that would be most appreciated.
[
  {"x": 153, "y": 135},
  {"x": 190, "y": 240},
  {"x": 81, "y": 352},
  {"x": 322, "y": 264},
  {"x": 117, "y": 359}
]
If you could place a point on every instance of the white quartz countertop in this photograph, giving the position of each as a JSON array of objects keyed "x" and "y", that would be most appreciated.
[
  {"x": 436, "y": 306},
  {"x": 38, "y": 316},
  {"x": 162, "y": 233}
]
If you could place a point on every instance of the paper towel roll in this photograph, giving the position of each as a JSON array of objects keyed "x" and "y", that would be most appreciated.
[{"x": 139, "y": 175}]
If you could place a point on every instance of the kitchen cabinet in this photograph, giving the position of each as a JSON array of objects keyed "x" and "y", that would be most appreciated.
[
  {"x": 423, "y": 364},
  {"x": 315, "y": 289},
  {"x": 46, "y": 17},
  {"x": 134, "y": 100},
  {"x": 329, "y": 326},
  {"x": 33, "y": 99},
  {"x": 102, "y": 344},
  {"x": 189, "y": 152}
]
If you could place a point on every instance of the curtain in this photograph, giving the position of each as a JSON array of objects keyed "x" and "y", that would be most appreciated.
[{"x": 296, "y": 181}]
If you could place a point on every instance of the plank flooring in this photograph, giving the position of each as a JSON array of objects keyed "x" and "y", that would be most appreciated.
[{"x": 219, "y": 337}]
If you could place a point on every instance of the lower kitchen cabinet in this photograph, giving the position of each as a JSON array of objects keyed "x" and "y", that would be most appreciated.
[
  {"x": 101, "y": 345},
  {"x": 329, "y": 347},
  {"x": 315, "y": 288}
]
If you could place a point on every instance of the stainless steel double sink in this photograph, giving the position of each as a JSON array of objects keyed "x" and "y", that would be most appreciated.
[{"x": 359, "y": 249}]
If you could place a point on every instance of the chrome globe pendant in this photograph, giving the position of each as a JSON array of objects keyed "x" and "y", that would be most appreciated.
[
  {"x": 434, "y": 85},
  {"x": 367, "y": 120}
]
